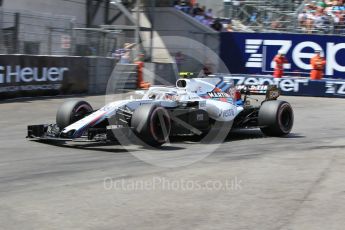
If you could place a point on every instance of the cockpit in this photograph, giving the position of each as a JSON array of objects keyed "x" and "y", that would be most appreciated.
[{"x": 161, "y": 93}]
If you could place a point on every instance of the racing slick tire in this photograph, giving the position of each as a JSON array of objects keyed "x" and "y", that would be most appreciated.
[
  {"x": 276, "y": 118},
  {"x": 71, "y": 111},
  {"x": 152, "y": 124}
]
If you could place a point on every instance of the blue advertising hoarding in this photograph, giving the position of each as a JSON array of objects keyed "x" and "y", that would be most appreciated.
[
  {"x": 253, "y": 53},
  {"x": 294, "y": 86}
]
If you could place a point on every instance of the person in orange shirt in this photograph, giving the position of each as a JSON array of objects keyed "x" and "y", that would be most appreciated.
[
  {"x": 141, "y": 84},
  {"x": 280, "y": 60},
  {"x": 317, "y": 66}
]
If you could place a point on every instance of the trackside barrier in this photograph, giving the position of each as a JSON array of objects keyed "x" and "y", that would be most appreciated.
[
  {"x": 36, "y": 75},
  {"x": 28, "y": 75},
  {"x": 253, "y": 53},
  {"x": 295, "y": 86}
]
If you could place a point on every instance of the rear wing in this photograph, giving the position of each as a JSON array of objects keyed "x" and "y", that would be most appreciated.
[{"x": 272, "y": 92}]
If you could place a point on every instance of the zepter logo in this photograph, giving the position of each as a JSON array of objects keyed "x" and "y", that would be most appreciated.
[
  {"x": 257, "y": 51},
  {"x": 183, "y": 150}
]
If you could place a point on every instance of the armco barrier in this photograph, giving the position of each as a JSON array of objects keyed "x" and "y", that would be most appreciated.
[
  {"x": 295, "y": 86},
  {"x": 27, "y": 75},
  {"x": 253, "y": 53},
  {"x": 31, "y": 75}
]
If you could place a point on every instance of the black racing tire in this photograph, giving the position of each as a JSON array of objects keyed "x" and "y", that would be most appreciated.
[
  {"x": 147, "y": 122},
  {"x": 71, "y": 111},
  {"x": 276, "y": 118}
]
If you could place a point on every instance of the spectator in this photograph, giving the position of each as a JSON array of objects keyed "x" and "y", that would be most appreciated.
[
  {"x": 319, "y": 19},
  {"x": 322, "y": 4},
  {"x": 202, "y": 15},
  {"x": 323, "y": 16},
  {"x": 123, "y": 56},
  {"x": 196, "y": 10},
  {"x": 209, "y": 13},
  {"x": 252, "y": 18},
  {"x": 302, "y": 18},
  {"x": 339, "y": 24},
  {"x": 206, "y": 18},
  {"x": 229, "y": 28},
  {"x": 310, "y": 22},
  {"x": 217, "y": 25},
  {"x": 203, "y": 10},
  {"x": 184, "y": 6}
]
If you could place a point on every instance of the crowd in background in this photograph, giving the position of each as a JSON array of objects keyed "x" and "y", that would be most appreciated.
[
  {"x": 320, "y": 16},
  {"x": 203, "y": 15},
  {"x": 325, "y": 16}
]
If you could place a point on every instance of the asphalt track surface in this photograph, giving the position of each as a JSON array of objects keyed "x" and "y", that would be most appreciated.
[{"x": 249, "y": 182}]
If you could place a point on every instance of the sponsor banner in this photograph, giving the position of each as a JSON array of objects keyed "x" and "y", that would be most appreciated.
[
  {"x": 296, "y": 86},
  {"x": 27, "y": 75},
  {"x": 253, "y": 53}
]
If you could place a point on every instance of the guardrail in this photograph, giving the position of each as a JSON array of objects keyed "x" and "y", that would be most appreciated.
[
  {"x": 27, "y": 75},
  {"x": 30, "y": 75}
]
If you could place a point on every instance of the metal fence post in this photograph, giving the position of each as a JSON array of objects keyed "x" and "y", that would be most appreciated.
[
  {"x": 2, "y": 40},
  {"x": 16, "y": 32}
]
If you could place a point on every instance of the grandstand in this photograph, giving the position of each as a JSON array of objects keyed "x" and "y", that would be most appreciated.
[
  {"x": 253, "y": 15},
  {"x": 265, "y": 16},
  {"x": 293, "y": 16},
  {"x": 322, "y": 17},
  {"x": 308, "y": 16}
]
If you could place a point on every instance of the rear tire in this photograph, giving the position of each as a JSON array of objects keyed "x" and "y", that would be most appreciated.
[
  {"x": 276, "y": 118},
  {"x": 71, "y": 111},
  {"x": 152, "y": 124}
]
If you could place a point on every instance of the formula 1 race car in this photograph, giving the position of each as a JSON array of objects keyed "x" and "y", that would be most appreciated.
[{"x": 192, "y": 107}]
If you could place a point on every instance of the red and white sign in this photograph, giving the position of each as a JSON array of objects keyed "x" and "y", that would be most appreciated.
[{"x": 65, "y": 41}]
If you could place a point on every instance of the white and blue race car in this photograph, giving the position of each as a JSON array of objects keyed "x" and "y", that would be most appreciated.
[{"x": 193, "y": 107}]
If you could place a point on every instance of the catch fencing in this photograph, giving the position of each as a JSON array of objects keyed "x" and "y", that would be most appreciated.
[
  {"x": 33, "y": 33},
  {"x": 44, "y": 34}
]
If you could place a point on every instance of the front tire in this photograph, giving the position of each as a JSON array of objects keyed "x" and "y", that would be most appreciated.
[
  {"x": 152, "y": 124},
  {"x": 276, "y": 118},
  {"x": 71, "y": 111}
]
